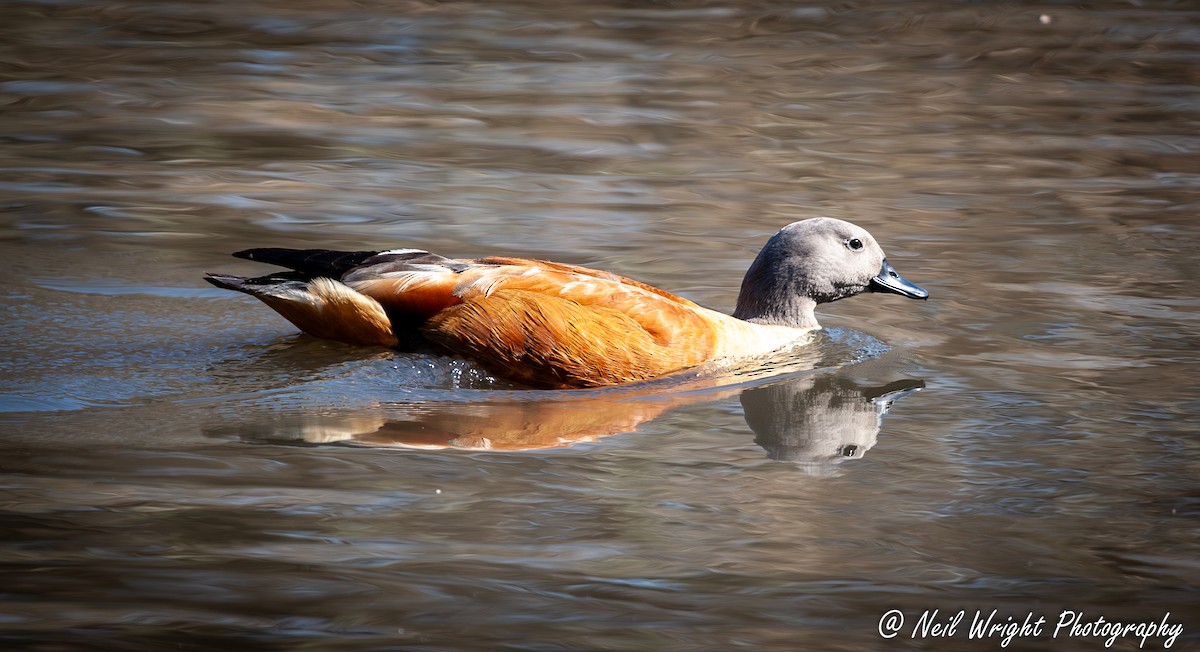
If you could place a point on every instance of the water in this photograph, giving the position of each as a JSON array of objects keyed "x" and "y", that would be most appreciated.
[{"x": 181, "y": 470}]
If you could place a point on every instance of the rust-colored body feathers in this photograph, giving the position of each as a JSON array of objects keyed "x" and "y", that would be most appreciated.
[{"x": 544, "y": 324}]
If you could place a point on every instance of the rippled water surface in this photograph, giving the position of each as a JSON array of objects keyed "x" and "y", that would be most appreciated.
[{"x": 181, "y": 470}]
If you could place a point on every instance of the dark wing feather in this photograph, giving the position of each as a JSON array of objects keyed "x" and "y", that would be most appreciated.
[
  {"x": 312, "y": 262},
  {"x": 270, "y": 284},
  {"x": 343, "y": 264}
]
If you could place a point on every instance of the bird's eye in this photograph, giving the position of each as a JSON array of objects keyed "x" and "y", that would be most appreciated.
[{"x": 854, "y": 244}]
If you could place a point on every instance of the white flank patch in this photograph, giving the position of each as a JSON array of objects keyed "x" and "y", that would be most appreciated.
[{"x": 402, "y": 251}]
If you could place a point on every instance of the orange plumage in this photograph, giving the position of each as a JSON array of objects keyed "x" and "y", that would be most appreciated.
[{"x": 544, "y": 324}]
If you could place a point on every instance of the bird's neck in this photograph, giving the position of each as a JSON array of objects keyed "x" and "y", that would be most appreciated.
[
  {"x": 774, "y": 292},
  {"x": 769, "y": 297},
  {"x": 793, "y": 311}
]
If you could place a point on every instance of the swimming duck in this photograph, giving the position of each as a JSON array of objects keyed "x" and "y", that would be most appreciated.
[{"x": 550, "y": 325}]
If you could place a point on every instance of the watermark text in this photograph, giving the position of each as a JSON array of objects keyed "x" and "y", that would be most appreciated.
[{"x": 982, "y": 624}]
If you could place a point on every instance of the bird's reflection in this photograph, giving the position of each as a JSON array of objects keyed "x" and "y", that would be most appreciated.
[{"x": 818, "y": 420}]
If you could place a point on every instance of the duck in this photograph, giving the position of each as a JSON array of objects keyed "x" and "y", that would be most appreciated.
[{"x": 549, "y": 325}]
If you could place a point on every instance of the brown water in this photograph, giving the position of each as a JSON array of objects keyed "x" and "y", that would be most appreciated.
[{"x": 182, "y": 471}]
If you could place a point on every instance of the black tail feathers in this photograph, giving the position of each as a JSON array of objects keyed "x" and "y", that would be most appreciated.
[{"x": 311, "y": 262}]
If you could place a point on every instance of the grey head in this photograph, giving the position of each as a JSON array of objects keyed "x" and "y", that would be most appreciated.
[{"x": 811, "y": 262}]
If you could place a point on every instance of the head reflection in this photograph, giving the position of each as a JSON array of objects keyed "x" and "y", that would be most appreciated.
[{"x": 820, "y": 421}]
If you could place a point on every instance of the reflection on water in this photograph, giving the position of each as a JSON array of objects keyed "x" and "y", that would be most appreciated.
[
  {"x": 820, "y": 422},
  {"x": 1036, "y": 166},
  {"x": 817, "y": 422}
]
